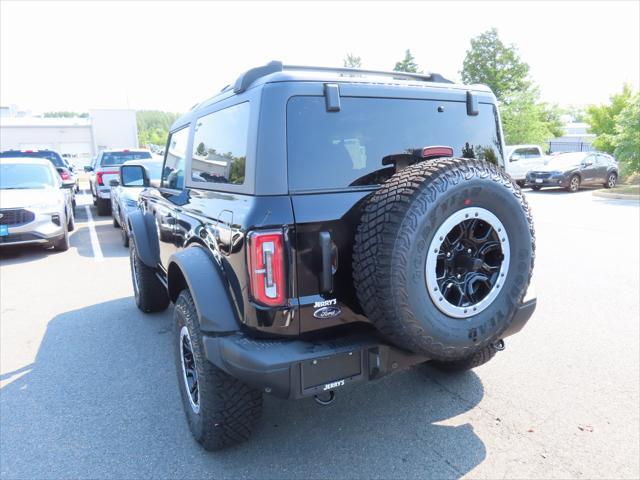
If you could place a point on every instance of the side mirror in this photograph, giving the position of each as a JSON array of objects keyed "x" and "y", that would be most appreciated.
[
  {"x": 514, "y": 158},
  {"x": 133, "y": 176},
  {"x": 88, "y": 168},
  {"x": 114, "y": 183}
]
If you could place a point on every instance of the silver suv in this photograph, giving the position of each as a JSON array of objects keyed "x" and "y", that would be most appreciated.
[{"x": 106, "y": 167}]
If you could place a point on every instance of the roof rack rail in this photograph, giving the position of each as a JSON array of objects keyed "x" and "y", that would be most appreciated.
[
  {"x": 250, "y": 76},
  {"x": 425, "y": 77},
  {"x": 247, "y": 78}
]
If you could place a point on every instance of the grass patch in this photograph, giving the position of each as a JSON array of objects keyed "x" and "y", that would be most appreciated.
[{"x": 626, "y": 189}]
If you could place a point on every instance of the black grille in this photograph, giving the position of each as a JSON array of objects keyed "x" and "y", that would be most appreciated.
[
  {"x": 16, "y": 216},
  {"x": 543, "y": 175}
]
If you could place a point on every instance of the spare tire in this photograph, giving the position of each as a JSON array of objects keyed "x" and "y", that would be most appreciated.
[{"x": 443, "y": 257}]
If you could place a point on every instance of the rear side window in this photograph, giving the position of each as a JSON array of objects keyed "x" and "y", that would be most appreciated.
[
  {"x": 173, "y": 170},
  {"x": 329, "y": 150},
  {"x": 220, "y": 146},
  {"x": 118, "y": 158}
]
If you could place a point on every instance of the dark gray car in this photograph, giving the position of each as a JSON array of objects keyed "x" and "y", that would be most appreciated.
[{"x": 571, "y": 170}]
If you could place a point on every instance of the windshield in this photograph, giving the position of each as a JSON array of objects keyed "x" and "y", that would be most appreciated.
[
  {"x": 53, "y": 157},
  {"x": 17, "y": 176},
  {"x": 118, "y": 158},
  {"x": 566, "y": 160}
]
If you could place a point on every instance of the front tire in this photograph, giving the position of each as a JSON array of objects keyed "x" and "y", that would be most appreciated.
[
  {"x": 150, "y": 293},
  {"x": 62, "y": 245},
  {"x": 221, "y": 410},
  {"x": 574, "y": 184}
]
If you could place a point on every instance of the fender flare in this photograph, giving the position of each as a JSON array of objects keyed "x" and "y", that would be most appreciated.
[
  {"x": 142, "y": 230},
  {"x": 193, "y": 268}
]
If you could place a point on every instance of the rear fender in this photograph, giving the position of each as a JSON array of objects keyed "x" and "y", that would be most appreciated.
[
  {"x": 142, "y": 229},
  {"x": 193, "y": 268}
]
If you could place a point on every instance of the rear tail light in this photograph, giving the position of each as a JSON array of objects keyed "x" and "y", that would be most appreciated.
[
  {"x": 435, "y": 152},
  {"x": 100, "y": 174},
  {"x": 266, "y": 267},
  {"x": 65, "y": 175}
]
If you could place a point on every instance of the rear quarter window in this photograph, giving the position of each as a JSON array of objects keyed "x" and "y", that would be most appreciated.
[
  {"x": 220, "y": 146},
  {"x": 337, "y": 150}
]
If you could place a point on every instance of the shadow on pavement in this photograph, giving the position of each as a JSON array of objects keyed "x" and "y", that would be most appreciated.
[{"x": 101, "y": 401}]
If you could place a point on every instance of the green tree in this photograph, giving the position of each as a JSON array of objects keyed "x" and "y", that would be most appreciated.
[
  {"x": 352, "y": 61},
  {"x": 491, "y": 62},
  {"x": 627, "y": 137},
  {"x": 526, "y": 121},
  {"x": 407, "y": 64},
  {"x": 153, "y": 126},
  {"x": 603, "y": 119}
]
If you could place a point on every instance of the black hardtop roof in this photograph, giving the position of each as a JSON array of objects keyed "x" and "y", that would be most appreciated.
[{"x": 276, "y": 71}]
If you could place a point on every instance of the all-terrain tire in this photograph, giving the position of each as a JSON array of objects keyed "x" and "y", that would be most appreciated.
[
  {"x": 393, "y": 240},
  {"x": 150, "y": 293},
  {"x": 225, "y": 409},
  {"x": 103, "y": 206},
  {"x": 478, "y": 358}
]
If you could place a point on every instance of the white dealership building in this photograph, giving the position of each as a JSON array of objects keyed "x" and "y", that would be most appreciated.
[{"x": 79, "y": 139}]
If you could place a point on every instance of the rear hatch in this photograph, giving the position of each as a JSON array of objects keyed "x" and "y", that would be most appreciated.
[{"x": 335, "y": 161}]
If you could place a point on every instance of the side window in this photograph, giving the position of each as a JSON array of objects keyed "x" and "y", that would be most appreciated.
[
  {"x": 532, "y": 153},
  {"x": 220, "y": 146},
  {"x": 518, "y": 154},
  {"x": 173, "y": 169}
]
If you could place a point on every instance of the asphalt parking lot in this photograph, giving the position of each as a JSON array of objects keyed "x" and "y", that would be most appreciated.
[{"x": 88, "y": 387}]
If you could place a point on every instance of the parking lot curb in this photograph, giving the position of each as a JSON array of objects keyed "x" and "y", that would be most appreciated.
[{"x": 616, "y": 196}]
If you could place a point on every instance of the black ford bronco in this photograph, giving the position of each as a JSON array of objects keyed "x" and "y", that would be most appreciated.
[{"x": 321, "y": 227}]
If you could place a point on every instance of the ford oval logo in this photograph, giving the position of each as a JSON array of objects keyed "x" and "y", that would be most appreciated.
[{"x": 327, "y": 312}]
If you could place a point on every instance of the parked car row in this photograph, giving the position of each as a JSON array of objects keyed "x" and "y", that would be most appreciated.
[{"x": 529, "y": 167}]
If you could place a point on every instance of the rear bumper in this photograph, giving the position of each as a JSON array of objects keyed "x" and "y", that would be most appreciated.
[{"x": 297, "y": 369}]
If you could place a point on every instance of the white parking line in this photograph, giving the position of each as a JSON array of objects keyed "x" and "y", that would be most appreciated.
[{"x": 95, "y": 243}]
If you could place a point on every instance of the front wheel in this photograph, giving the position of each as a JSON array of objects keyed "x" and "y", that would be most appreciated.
[
  {"x": 62, "y": 245},
  {"x": 574, "y": 184},
  {"x": 220, "y": 409},
  {"x": 612, "y": 179}
]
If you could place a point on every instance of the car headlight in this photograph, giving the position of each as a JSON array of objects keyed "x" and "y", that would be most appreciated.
[{"x": 556, "y": 173}]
